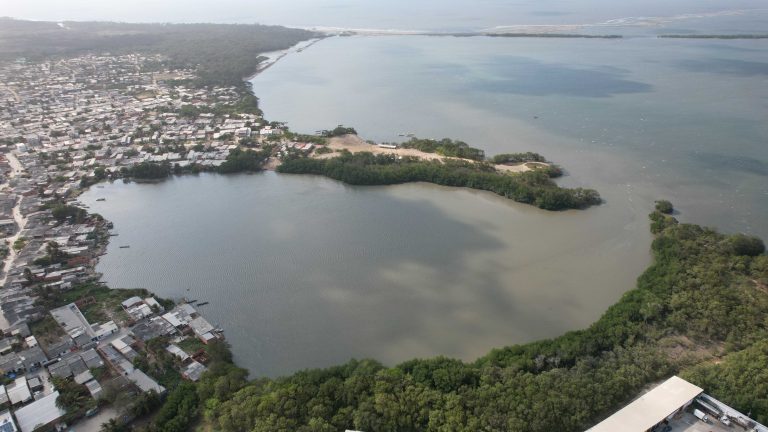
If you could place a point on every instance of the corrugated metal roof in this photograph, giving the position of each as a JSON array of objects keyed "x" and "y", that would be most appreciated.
[{"x": 650, "y": 408}]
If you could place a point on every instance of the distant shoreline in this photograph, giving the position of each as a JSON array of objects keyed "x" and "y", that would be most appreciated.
[
  {"x": 273, "y": 57},
  {"x": 482, "y": 33},
  {"x": 323, "y": 33},
  {"x": 714, "y": 36}
]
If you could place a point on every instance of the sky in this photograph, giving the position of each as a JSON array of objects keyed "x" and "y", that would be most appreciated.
[{"x": 392, "y": 14}]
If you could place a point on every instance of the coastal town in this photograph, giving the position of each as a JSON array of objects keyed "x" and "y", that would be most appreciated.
[
  {"x": 64, "y": 126},
  {"x": 79, "y": 355}
]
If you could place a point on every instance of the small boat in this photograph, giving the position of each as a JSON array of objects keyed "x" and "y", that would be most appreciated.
[
  {"x": 101, "y": 199},
  {"x": 124, "y": 247},
  {"x": 114, "y": 234},
  {"x": 202, "y": 303}
]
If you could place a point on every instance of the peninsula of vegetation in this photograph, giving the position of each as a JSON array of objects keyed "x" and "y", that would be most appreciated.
[{"x": 457, "y": 164}]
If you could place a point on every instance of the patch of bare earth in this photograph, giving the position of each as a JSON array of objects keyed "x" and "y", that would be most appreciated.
[
  {"x": 680, "y": 348},
  {"x": 760, "y": 286},
  {"x": 355, "y": 144},
  {"x": 272, "y": 164}
]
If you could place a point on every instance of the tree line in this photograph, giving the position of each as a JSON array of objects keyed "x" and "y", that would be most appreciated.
[
  {"x": 512, "y": 158},
  {"x": 532, "y": 187}
]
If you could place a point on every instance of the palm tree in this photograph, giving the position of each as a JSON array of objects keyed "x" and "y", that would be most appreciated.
[{"x": 113, "y": 426}]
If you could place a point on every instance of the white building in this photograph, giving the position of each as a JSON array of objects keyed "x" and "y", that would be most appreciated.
[
  {"x": 40, "y": 413},
  {"x": 662, "y": 403}
]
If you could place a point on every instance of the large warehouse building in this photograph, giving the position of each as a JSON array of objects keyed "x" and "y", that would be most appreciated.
[{"x": 676, "y": 406}]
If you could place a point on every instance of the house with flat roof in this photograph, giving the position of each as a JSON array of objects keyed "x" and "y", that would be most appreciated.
[
  {"x": 39, "y": 413},
  {"x": 151, "y": 328},
  {"x": 131, "y": 302},
  {"x": 94, "y": 388},
  {"x": 144, "y": 382},
  {"x": 18, "y": 392},
  {"x": 74, "y": 323},
  {"x": 60, "y": 369},
  {"x": 32, "y": 358},
  {"x": 194, "y": 371},
  {"x": 178, "y": 352},
  {"x": 105, "y": 329},
  {"x": 10, "y": 363},
  {"x": 91, "y": 358}
]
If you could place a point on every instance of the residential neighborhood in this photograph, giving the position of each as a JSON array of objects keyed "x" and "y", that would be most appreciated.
[{"x": 69, "y": 344}]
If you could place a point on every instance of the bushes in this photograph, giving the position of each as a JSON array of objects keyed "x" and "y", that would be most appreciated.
[
  {"x": 63, "y": 212},
  {"x": 664, "y": 206},
  {"x": 740, "y": 380},
  {"x": 741, "y": 244},
  {"x": 147, "y": 171},
  {"x": 240, "y": 160},
  {"x": 445, "y": 147},
  {"x": 339, "y": 130},
  {"x": 179, "y": 411},
  {"x": 532, "y": 187},
  {"x": 512, "y": 158}
]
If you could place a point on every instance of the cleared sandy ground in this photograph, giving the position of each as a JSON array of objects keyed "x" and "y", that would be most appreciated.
[{"x": 355, "y": 144}]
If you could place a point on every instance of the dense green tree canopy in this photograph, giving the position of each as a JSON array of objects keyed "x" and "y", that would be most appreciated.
[
  {"x": 64, "y": 212},
  {"x": 339, "y": 130},
  {"x": 148, "y": 171},
  {"x": 741, "y": 244},
  {"x": 240, "y": 160},
  {"x": 532, "y": 187}
]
